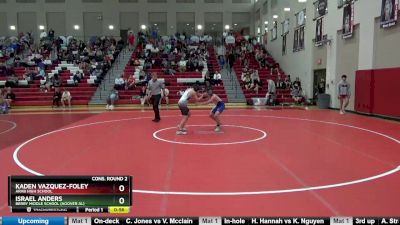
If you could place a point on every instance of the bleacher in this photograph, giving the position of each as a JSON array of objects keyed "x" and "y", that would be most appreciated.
[
  {"x": 30, "y": 94},
  {"x": 283, "y": 95},
  {"x": 174, "y": 83}
]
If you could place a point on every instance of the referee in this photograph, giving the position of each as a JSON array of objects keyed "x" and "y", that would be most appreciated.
[{"x": 155, "y": 87}]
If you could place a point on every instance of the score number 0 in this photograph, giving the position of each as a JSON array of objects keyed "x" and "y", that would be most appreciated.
[{"x": 121, "y": 200}]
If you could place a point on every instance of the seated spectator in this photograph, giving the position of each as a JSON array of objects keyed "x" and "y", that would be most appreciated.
[
  {"x": 244, "y": 74},
  {"x": 182, "y": 65},
  {"x": 9, "y": 97},
  {"x": 98, "y": 72},
  {"x": 130, "y": 83},
  {"x": 136, "y": 62},
  {"x": 66, "y": 98},
  {"x": 288, "y": 82},
  {"x": 12, "y": 81},
  {"x": 56, "y": 80},
  {"x": 297, "y": 82},
  {"x": 247, "y": 82},
  {"x": 42, "y": 74},
  {"x": 280, "y": 84},
  {"x": 47, "y": 85},
  {"x": 78, "y": 76},
  {"x": 217, "y": 78},
  {"x": 29, "y": 75},
  {"x": 112, "y": 97},
  {"x": 169, "y": 71},
  {"x": 271, "y": 94},
  {"x": 56, "y": 97},
  {"x": 275, "y": 69},
  {"x": 144, "y": 96},
  {"x": 119, "y": 83},
  {"x": 297, "y": 94},
  {"x": 255, "y": 82}
]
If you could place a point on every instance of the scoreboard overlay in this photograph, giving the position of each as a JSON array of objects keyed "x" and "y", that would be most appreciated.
[
  {"x": 13, "y": 220},
  {"x": 90, "y": 194}
]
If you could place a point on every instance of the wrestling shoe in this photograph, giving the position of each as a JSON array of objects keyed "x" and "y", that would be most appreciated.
[{"x": 181, "y": 132}]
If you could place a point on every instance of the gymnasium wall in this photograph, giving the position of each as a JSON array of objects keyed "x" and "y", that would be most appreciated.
[
  {"x": 347, "y": 61},
  {"x": 297, "y": 64},
  {"x": 319, "y": 53},
  {"x": 57, "y": 19},
  {"x": 386, "y": 46},
  {"x": 113, "y": 12},
  {"x": 371, "y": 47},
  {"x": 3, "y": 22},
  {"x": 377, "y": 92}
]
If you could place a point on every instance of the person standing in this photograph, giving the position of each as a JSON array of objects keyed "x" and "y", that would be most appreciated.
[
  {"x": 343, "y": 93},
  {"x": 156, "y": 87}
]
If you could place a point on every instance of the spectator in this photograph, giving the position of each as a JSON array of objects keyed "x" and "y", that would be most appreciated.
[
  {"x": 280, "y": 84},
  {"x": 56, "y": 80},
  {"x": 46, "y": 86},
  {"x": 297, "y": 94},
  {"x": 130, "y": 83},
  {"x": 9, "y": 97},
  {"x": 288, "y": 82},
  {"x": 41, "y": 74},
  {"x": 56, "y": 97},
  {"x": 119, "y": 83},
  {"x": 271, "y": 94},
  {"x": 343, "y": 94},
  {"x": 12, "y": 81},
  {"x": 275, "y": 69},
  {"x": 112, "y": 97},
  {"x": 247, "y": 82},
  {"x": 78, "y": 76},
  {"x": 66, "y": 98},
  {"x": 131, "y": 41},
  {"x": 231, "y": 61},
  {"x": 43, "y": 35},
  {"x": 255, "y": 81},
  {"x": 29, "y": 75},
  {"x": 144, "y": 96},
  {"x": 217, "y": 78},
  {"x": 221, "y": 62},
  {"x": 98, "y": 72},
  {"x": 297, "y": 82}
]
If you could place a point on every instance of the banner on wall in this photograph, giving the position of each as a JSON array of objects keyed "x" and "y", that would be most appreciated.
[
  {"x": 296, "y": 40},
  {"x": 274, "y": 31},
  {"x": 301, "y": 38},
  {"x": 389, "y": 13},
  {"x": 285, "y": 27},
  {"x": 348, "y": 20},
  {"x": 341, "y": 3},
  {"x": 284, "y": 44},
  {"x": 319, "y": 32},
  {"x": 300, "y": 18},
  {"x": 298, "y": 43},
  {"x": 320, "y": 8}
]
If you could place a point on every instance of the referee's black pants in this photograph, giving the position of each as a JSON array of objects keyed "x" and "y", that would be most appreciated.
[{"x": 156, "y": 101}]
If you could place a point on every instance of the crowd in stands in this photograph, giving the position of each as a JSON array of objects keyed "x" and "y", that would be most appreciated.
[
  {"x": 168, "y": 54},
  {"x": 245, "y": 50},
  {"x": 93, "y": 58}
]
